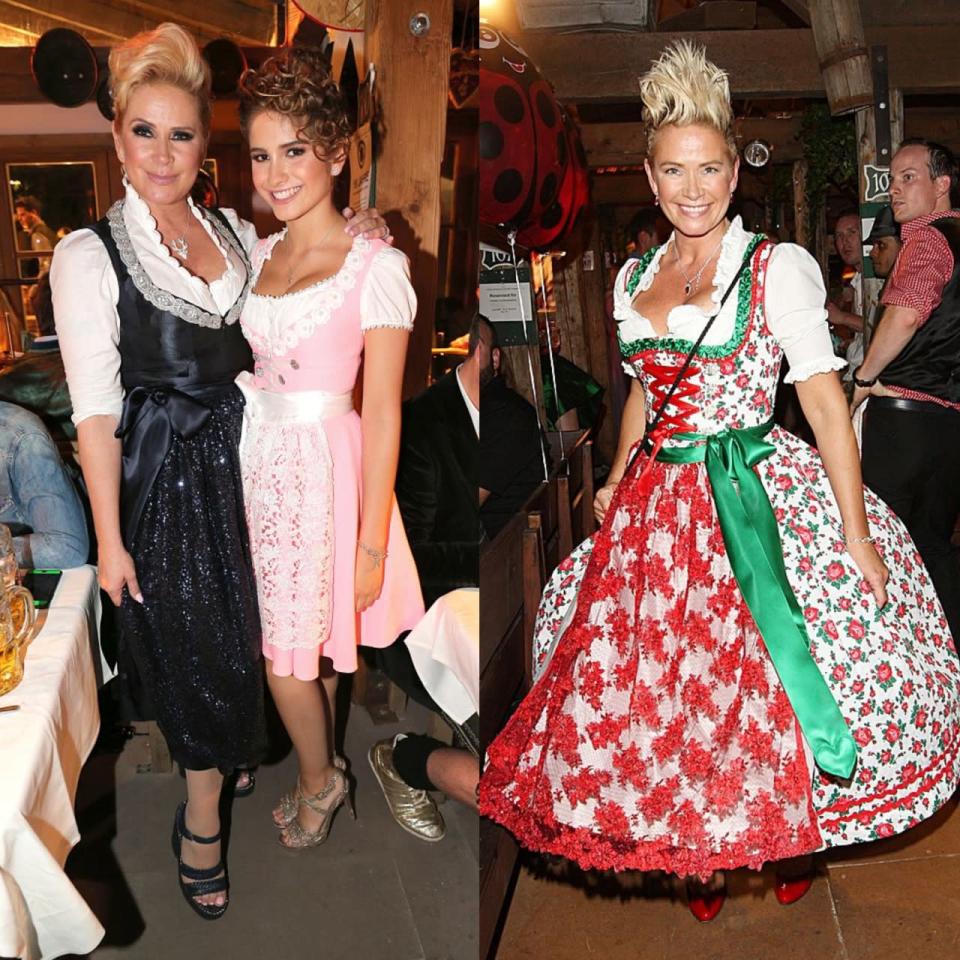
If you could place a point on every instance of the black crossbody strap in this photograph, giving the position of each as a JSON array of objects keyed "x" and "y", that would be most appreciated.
[{"x": 689, "y": 358}]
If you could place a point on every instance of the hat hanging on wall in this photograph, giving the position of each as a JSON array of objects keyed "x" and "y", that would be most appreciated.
[
  {"x": 64, "y": 67},
  {"x": 105, "y": 97},
  {"x": 227, "y": 63}
]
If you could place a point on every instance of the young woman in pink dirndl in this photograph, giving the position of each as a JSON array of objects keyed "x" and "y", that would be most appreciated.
[{"x": 331, "y": 559}]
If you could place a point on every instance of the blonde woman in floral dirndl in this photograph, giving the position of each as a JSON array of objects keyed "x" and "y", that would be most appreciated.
[{"x": 748, "y": 662}]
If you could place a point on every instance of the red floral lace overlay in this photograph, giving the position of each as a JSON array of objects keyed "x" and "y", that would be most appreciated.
[{"x": 660, "y": 736}]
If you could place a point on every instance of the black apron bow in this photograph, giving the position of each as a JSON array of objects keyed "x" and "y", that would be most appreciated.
[{"x": 152, "y": 416}]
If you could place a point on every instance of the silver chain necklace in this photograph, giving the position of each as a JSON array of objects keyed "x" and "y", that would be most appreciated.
[
  {"x": 179, "y": 244},
  {"x": 311, "y": 249},
  {"x": 692, "y": 284}
]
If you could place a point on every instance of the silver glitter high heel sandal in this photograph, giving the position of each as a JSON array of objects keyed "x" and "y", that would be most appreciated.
[
  {"x": 299, "y": 838},
  {"x": 286, "y": 811}
]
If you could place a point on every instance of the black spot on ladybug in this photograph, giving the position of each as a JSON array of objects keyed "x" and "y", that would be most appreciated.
[
  {"x": 545, "y": 108},
  {"x": 548, "y": 189},
  {"x": 552, "y": 216},
  {"x": 491, "y": 141},
  {"x": 507, "y": 186},
  {"x": 509, "y": 104}
]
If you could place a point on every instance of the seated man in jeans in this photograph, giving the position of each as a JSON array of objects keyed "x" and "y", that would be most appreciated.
[
  {"x": 437, "y": 494},
  {"x": 38, "y": 500}
]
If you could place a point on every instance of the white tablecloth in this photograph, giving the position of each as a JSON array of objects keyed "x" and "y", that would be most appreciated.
[
  {"x": 43, "y": 745},
  {"x": 445, "y": 649}
]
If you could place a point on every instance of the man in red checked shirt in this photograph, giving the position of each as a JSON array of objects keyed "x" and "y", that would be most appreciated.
[{"x": 911, "y": 372}]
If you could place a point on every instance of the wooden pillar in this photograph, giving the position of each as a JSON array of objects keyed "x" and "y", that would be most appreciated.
[
  {"x": 867, "y": 155},
  {"x": 411, "y": 93}
]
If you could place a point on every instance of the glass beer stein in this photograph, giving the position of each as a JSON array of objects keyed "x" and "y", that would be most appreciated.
[
  {"x": 16, "y": 624},
  {"x": 8, "y": 559}
]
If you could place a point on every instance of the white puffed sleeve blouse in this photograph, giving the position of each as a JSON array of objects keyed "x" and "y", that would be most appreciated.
[
  {"x": 387, "y": 298},
  {"x": 793, "y": 305},
  {"x": 86, "y": 291}
]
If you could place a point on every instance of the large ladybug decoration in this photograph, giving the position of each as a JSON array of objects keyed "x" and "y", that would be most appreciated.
[
  {"x": 581, "y": 181},
  {"x": 564, "y": 214},
  {"x": 524, "y": 153}
]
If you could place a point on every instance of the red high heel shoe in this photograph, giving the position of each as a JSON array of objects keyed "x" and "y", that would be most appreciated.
[
  {"x": 790, "y": 889},
  {"x": 705, "y": 904}
]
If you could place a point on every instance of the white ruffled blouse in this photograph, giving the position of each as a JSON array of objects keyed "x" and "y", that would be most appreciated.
[
  {"x": 86, "y": 291},
  {"x": 793, "y": 305}
]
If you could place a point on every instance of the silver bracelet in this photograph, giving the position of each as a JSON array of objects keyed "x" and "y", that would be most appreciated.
[
  {"x": 849, "y": 540},
  {"x": 378, "y": 556}
]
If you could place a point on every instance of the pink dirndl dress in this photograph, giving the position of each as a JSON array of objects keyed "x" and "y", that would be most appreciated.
[{"x": 300, "y": 459}]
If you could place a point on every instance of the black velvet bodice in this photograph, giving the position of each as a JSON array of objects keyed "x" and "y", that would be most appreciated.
[{"x": 177, "y": 362}]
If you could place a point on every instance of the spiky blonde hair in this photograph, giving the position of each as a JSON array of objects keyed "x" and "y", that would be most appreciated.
[{"x": 684, "y": 87}]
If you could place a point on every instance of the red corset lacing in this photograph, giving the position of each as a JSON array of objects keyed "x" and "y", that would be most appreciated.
[{"x": 676, "y": 415}]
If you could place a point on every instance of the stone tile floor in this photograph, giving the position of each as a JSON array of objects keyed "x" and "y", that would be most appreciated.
[
  {"x": 371, "y": 892},
  {"x": 891, "y": 900}
]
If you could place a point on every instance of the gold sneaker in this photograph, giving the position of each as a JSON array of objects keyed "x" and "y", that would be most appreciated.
[{"x": 415, "y": 810}]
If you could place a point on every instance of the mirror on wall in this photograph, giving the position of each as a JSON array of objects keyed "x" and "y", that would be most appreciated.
[{"x": 47, "y": 201}]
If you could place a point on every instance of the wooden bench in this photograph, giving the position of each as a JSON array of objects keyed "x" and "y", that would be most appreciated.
[
  {"x": 514, "y": 568},
  {"x": 511, "y": 580},
  {"x": 572, "y": 453}
]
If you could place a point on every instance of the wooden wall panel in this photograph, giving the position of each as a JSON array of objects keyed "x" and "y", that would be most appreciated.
[{"x": 411, "y": 91}]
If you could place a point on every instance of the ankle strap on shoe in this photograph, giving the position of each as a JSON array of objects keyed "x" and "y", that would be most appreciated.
[{"x": 186, "y": 833}]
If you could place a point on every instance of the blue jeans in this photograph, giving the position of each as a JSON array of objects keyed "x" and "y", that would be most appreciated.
[{"x": 37, "y": 497}]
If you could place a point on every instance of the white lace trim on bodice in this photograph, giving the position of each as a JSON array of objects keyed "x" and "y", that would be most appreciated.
[{"x": 279, "y": 323}]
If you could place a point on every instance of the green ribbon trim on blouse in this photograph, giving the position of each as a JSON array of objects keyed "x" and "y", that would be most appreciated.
[{"x": 753, "y": 544}]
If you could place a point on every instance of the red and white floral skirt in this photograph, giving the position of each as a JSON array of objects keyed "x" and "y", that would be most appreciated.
[{"x": 659, "y": 736}]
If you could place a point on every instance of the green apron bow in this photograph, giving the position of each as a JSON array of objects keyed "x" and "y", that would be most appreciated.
[{"x": 753, "y": 544}]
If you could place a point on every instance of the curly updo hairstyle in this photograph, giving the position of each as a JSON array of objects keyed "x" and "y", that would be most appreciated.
[
  {"x": 167, "y": 55},
  {"x": 684, "y": 87},
  {"x": 297, "y": 83}
]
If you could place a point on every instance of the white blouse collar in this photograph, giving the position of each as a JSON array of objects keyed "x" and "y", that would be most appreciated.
[
  {"x": 140, "y": 211},
  {"x": 732, "y": 248},
  {"x": 137, "y": 214},
  {"x": 685, "y": 320},
  {"x": 158, "y": 271}
]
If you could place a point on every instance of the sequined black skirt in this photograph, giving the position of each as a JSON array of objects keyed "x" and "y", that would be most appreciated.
[{"x": 192, "y": 651}]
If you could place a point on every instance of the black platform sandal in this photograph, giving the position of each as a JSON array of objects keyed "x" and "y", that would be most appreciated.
[
  {"x": 200, "y": 881},
  {"x": 244, "y": 790}
]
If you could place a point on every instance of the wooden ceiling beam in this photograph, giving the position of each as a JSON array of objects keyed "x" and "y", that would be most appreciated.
[
  {"x": 621, "y": 189},
  {"x": 114, "y": 21},
  {"x": 761, "y": 63},
  {"x": 18, "y": 86},
  {"x": 624, "y": 144},
  {"x": 799, "y": 8},
  {"x": 718, "y": 15}
]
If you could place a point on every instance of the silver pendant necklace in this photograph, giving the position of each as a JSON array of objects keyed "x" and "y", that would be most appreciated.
[
  {"x": 692, "y": 284},
  {"x": 179, "y": 245}
]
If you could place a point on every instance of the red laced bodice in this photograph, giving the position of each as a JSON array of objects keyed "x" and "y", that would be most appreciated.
[{"x": 677, "y": 411}]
